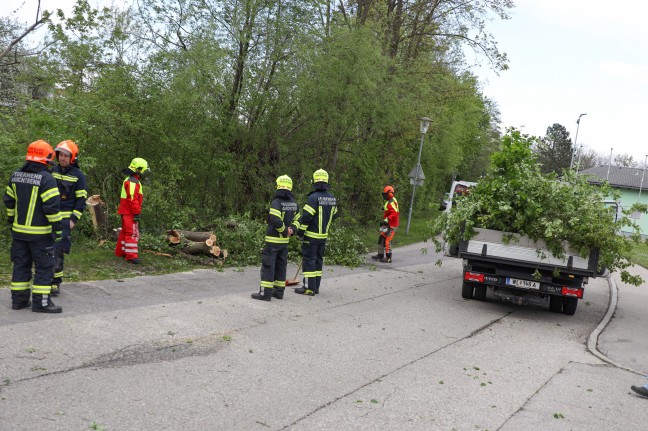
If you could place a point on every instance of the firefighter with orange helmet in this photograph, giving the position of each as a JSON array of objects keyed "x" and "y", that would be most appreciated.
[
  {"x": 388, "y": 226},
  {"x": 32, "y": 201},
  {"x": 72, "y": 187},
  {"x": 130, "y": 209}
]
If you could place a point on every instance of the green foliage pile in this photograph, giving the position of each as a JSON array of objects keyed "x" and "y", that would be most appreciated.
[
  {"x": 243, "y": 238},
  {"x": 516, "y": 197}
]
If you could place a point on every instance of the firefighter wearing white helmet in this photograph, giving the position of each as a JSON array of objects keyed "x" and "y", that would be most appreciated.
[
  {"x": 72, "y": 186},
  {"x": 313, "y": 227},
  {"x": 274, "y": 258},
  {"x": 130, "y": 209}
]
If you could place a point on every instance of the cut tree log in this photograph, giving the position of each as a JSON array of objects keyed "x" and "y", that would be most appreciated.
[
  {"x": 197, "y": 248},
  {"x": 193, "y": 236},
  {"x": 201, "y": 248}
]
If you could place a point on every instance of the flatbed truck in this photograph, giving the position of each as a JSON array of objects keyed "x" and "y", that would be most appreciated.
[{"x": 522, "y": 271}]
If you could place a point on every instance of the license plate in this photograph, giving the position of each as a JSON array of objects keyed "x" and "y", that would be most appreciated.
[{"x": 527, "y": 284}]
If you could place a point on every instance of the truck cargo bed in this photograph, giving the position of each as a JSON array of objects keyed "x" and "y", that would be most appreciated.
[{"x": 489, "y": 246}]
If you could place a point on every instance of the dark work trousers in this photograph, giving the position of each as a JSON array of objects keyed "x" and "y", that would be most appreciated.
[
  {"x": 60, "y": 250},
  {"x": 40, "y": 254},
  {"x": 313, "y": 261},
  {"x": 274, "y": 261}
]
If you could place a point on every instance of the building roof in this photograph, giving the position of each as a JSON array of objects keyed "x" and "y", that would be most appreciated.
[{"x": 619, "y": 176}]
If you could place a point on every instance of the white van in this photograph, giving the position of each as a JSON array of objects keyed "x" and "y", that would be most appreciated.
[{"x": 458, "y": 188}]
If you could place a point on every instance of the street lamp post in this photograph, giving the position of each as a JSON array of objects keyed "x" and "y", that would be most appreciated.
[
  {"x": 416, "y": 175},
  {"x": 571, "y": 162}
]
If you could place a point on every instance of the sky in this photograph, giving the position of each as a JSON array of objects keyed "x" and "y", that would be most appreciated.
[
  {"x": 572, "y": 57},
  {"x": 566, "y": 58}
]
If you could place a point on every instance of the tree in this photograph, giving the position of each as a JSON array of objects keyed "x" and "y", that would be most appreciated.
[
  {"x": 554, "y": 151},
  {"x": 625, "y": 160},
  {"x": 587, "y": 158}
]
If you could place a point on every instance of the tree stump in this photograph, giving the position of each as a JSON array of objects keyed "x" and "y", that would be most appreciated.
[{"x": 97, "y": 209}]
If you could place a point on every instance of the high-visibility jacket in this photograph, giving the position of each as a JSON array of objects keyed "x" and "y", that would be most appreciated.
[
  {"x": 280, "y": 215},
  {"x": 131, "y": 197},
  {"x": 32, "y": 200},
  {"x": 316, "y": 217},
  {"x": 72, "y": 187},
  {"x": 391, "y": 214}
]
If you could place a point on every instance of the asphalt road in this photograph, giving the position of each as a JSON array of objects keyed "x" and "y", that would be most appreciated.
[{"x": 388, "y": 347}]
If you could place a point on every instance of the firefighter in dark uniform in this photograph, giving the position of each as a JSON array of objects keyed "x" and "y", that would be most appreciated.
[
  {"x": 72, "y": 187},
  {"x": 275, "y": 253},
  {"x": 313, "y": 227},
  {"x": 32, "y": 200}
]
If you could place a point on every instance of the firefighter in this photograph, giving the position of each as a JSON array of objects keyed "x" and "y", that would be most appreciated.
[
  {"x": 32, "y": 200},
  {"x": 275, "y": 252},
  {"x": 72, "y": 187},
  {"x": 313, "y": 228},
  {"x": 130, "y": 209},
  {"x": 388, "y": 226}
]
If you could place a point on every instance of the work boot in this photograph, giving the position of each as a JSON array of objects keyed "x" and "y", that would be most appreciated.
[
  {"x": 43, "y": 304},
  {"x": 641, "y": 390},
  {"x": 56, "y": 289},
  {"x": 379, "y": 256},
  {"x": 304, "y": 291},
  {"x": 265, "y": 296},
  {"x": 135, "y": 261},
  {"x": 278, "y": 292},
  {"x": 20, "y": 299},
  {"x": 386, "y": 259}
]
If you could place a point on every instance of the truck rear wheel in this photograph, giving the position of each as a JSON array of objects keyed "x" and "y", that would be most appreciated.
[
  {"x": 555, "y": 303},
  {"x": 467, "y": 290},
  {"x": 480, "y": 292},
  {"x": 569, "y": 306}
]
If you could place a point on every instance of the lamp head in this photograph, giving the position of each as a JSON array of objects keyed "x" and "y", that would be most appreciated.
[{"x": 425, "y": 123}]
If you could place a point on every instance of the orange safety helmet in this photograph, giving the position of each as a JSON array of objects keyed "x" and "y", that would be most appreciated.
[
  {"x": 388, "y": 192},
  {"x": 40, "y": 152},
  {"x": 70, "y": 148}
]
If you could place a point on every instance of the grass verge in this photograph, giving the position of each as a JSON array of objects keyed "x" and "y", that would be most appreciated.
[{"x": 640, "y": 254}]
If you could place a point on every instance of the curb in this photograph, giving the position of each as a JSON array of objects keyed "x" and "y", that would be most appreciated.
[{"x": 592, "y": 340}]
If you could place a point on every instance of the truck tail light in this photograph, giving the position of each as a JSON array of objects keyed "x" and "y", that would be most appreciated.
[
  {"x": 474, "y": 276},
  {"x": 573, "y": 291}
]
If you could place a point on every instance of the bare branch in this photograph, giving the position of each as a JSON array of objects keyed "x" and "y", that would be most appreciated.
[{"x": 33, "y": 27}]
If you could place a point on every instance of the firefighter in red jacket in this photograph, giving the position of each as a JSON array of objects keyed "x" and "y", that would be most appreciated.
[
  {"x": 388, "y": 226},
  {"x": 130, "y": 209}
]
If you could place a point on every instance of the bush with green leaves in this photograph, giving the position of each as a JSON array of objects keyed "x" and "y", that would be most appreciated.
[{"x": 515, "y": 197}]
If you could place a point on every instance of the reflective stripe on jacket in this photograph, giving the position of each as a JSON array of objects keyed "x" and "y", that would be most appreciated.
[
  {"x": 131, "y": 197},
  {"x": 280, "y": 215},
  {"x": 32, "y": 201},
  {"x": 72, "y": 187},
  {"x": 391, "y": 213},
  {"x": 317, "y": 215}
]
